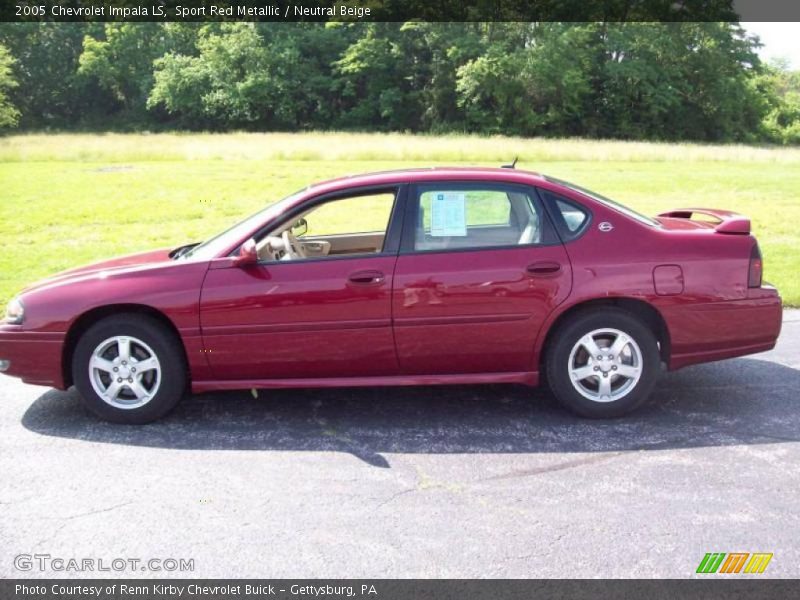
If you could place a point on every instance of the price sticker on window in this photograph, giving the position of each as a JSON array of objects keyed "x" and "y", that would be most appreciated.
[{"x": 448, "y": 214}]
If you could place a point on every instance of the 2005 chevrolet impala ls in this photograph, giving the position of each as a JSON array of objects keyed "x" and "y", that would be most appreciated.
[{"x": 430, "y": 276}]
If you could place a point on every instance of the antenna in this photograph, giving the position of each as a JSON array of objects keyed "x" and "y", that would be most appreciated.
[{"x": 513, "y": 165}]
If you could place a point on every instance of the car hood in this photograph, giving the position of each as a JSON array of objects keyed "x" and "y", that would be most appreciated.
[{"x": 113, "y": 265}]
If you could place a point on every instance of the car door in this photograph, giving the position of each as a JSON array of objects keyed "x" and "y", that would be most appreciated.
[
  {"x": 322, "y": 316},
  {"x": 478, "y": 273}
]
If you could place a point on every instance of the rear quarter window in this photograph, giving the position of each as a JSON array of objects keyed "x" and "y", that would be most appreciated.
[{"x": 571, "y": 219}]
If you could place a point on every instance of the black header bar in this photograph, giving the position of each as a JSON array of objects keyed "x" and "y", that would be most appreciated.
[{"x": 399, "y": 10}]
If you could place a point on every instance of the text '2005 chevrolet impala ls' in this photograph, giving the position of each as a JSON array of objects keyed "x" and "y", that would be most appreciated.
[{"x": 416, "y": 277}]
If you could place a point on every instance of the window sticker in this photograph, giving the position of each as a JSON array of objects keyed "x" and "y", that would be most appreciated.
[{"x": 448, "y": 214}]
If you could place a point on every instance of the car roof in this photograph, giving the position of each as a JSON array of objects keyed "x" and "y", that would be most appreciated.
[{"x": 428, "y": 174}]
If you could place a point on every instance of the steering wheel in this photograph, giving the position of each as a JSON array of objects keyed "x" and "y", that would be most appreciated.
[{"x": 293, "y": 247}]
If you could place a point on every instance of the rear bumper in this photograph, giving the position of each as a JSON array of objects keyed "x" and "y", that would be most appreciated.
[
  {"x": 34, "y": 357},
  {"x": 711, "y": 331}
]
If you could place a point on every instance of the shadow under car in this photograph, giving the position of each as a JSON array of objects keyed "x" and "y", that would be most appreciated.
[{"x": 740, "y": 401}]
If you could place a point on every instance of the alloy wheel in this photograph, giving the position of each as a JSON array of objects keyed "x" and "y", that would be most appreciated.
[{"x": 605, "y": 365}]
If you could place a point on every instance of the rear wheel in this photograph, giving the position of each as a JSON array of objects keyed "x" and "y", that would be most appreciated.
[
  {"x": 128, "y": 369},
  {"x": 603, "y": 363}
]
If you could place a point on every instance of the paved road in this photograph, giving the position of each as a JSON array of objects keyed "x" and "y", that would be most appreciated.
[{"x": 425, "y": 482}]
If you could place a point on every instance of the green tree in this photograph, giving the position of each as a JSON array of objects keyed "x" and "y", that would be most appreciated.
[
  {"x": 301, "y": 74},
  {"x": 9, "y": 115},
  {"x": 402, "y": 76},
  {"x": 628, "y": 80},
  {"x": 448, "y": 46},
  {"x": 223, "y": 84},
  {"x": 374, "y": 83},
  {"x": 533, "y": 82},
  {"x": 246, "y": 75},
  {"x": 678, "y": 81},
  {"x": 781, "y": 89},
  {"x": 119, "y": 58},
  {"x": 46, "y": 57}
]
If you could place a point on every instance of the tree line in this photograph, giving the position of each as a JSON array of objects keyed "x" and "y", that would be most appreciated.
[{"x": 650, "y": 81}]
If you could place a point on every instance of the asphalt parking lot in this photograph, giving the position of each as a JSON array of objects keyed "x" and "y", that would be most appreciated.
[{"x": 488, "y": 481}]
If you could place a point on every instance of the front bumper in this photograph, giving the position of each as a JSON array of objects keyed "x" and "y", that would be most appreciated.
[
  {"x": 709, "y": 331},
  {"x": 33, "y": 356}
]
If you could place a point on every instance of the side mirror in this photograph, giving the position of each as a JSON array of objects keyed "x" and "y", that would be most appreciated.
[
  {"x": 300, "y": 227},
  {"x": 248, "y": 254}
]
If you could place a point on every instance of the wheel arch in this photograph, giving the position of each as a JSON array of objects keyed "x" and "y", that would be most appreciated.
[
  {"x": 92, "y": 316},
  {"x": 637, "y": 307}
]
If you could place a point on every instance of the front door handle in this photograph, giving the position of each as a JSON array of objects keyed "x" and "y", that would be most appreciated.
[
  {"x": 367, "y": 277},
  {"x": 544, "y": 269}
]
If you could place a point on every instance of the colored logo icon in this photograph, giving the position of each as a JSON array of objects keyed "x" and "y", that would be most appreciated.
[{"x": 734, "y": 562}]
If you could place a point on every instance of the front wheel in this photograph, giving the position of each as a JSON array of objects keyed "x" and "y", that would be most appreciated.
[
  {"x": 603, "y": 363},
  {"x": 128, "y": 369}
]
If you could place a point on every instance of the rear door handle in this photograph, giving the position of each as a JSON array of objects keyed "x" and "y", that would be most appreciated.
[
  {"x": 367, "y": 277},
  {"x": 544, "y": 269}
]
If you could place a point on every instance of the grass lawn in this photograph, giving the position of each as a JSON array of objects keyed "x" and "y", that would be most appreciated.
[{"x": 70, "y": 199}]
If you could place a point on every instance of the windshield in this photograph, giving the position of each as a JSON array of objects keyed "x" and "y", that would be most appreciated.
[
  {"x": 221, "y": 242},
  {"x": 607, "y": 201}
]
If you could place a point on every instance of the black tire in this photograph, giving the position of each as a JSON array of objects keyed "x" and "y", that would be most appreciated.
[
  {"x": 571, "y": 332},
  {"x": 162, "y": 342}
]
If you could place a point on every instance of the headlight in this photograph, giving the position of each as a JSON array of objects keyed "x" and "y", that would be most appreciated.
[{"x": 15, "y": 312}]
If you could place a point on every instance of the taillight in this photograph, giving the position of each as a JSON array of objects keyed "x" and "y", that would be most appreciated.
[{"x": 756, "y": 268}]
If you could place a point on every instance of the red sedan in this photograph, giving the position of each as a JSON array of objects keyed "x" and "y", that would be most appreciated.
[{"x": 430, "y": 276}]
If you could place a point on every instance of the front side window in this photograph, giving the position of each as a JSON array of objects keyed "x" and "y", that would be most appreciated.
[
  {"x": 351, "y": 225},
  {"x": 475, "y": 216},
  {"x": 359, "y": 214}
]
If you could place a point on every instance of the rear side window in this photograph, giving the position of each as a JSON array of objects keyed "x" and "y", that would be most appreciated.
[
  {"x": 570, "y": 218},
  {"x": 468, "y": 216},
  {"x": 480, "y": 207}
]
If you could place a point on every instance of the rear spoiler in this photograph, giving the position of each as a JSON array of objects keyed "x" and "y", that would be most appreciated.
[{"x": 728, "y": 222}]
